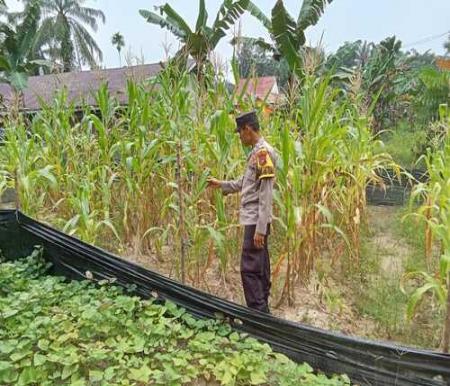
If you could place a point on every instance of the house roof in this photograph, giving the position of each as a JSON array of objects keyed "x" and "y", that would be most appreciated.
[
  {"x": 260, "y": 88},
  {"x": 81, "y": 85},
  {"x": 443, "y": 63}
]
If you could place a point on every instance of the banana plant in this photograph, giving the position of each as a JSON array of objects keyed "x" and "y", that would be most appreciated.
[
  {"x": 201, "y": 40},
  {"x": 288, "y": 34}
]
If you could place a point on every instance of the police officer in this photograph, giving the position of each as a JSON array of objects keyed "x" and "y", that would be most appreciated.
[{"x": 256, "y": 188}]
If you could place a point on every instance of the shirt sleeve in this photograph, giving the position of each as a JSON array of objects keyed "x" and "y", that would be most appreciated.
[
  {"x": 232, "y": 186},
  {"x": 264, "y": 164},
  {"x": 265, "y": 204}
]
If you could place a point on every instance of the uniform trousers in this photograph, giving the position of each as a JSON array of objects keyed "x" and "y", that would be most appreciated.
[{"x": 255, "y": 271}]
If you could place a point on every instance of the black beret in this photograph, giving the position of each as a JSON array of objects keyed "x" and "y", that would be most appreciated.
[{"x": 247, "y": 118}]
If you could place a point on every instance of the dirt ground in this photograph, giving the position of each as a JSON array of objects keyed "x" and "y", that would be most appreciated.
[
  {"x": 392, "y": 251},
  {"x": 327, "y": 305}
]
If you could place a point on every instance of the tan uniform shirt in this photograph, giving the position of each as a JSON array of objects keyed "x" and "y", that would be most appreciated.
[{"x": 256, "y": 187}]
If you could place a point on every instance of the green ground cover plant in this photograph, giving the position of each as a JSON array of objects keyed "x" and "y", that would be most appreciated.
[{"x": 59, "y": 332}]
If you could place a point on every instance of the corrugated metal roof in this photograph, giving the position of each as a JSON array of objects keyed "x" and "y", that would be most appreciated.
[
  {"x": 443, "y": 63},
  {"x": 81, "y": 85}
]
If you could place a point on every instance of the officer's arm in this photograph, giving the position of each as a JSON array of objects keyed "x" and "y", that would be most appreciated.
[
  {"x": 266, "y": 174},
  {"x": 231, "y": 186},
  {"x": 265, "y": 204}
]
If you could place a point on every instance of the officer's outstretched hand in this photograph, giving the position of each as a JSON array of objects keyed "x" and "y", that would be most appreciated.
[{"x": 213, "y": 183}]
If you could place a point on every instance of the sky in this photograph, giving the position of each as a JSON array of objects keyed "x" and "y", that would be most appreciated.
[{"x": 420, "y": 24}]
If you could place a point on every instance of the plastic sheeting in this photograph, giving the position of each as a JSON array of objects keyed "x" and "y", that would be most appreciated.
[{"x": 366, "y": 362}]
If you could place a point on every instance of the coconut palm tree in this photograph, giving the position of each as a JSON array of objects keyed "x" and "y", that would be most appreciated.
[
  {"x": 62, "y": 34},
  {"x": 118, "y": 41},
  {"x": 16, "y": 51},
  {"x": 201, "y": 40}
]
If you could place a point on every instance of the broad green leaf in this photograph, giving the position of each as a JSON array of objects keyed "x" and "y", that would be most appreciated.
[
  {"x": 257, "y": 377},
  {"x": 174, "y": 18},
  {"x": 284, "y": 33},
  {"x": 110, "y": 373},
  {"x": 4, "y": 63},
  {"x": 28, "y": 376},
  {"x": 8, "y": 313},
  {"x": 154, "y": 18},
  {"x": 95, "y": 375},
  {"x": 39, "y": 359},
  {"x": 258, "y": 14},
  {"x": 8, "y": 375},
  {"x": 202, "y": 16},
  {"x": 78, "y": 382},
  {"x": 229, "y": 13},
  {"x": 207, "y": 336},
  {"x": 310, "y": 13},
  {"x": 141, "y": 374},
  {"x": 17, "y": 356},
  {"x": 416, "y": 297},
  {"x": 68, "y": 370},
  {"x": 5, "y": 365}
]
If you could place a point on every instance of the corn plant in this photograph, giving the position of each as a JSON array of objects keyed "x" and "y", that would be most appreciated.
[
  {"x": 22, "y": 161},
  {"x": 328, "y": 155},
  {"x": 132, "y": 178},
  {"x": 435, "y": 194}
]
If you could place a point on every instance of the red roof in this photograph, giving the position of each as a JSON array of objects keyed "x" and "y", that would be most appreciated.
[
  {"x": 443, "y": 63},
  {"x": 262, "y": 87}
]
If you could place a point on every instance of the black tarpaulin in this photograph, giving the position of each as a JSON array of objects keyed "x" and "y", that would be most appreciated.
[
  {"x": 365, "y": 362},
  {"x": 396, "y": 189}
]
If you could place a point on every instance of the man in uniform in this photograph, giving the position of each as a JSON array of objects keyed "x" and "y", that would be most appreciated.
[{"x": 256, "y": 188}]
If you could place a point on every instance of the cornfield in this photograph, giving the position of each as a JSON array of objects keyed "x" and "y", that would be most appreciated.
[
  {"x": 435, "y": 211},
  {"x": 132, "y": 178}
]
